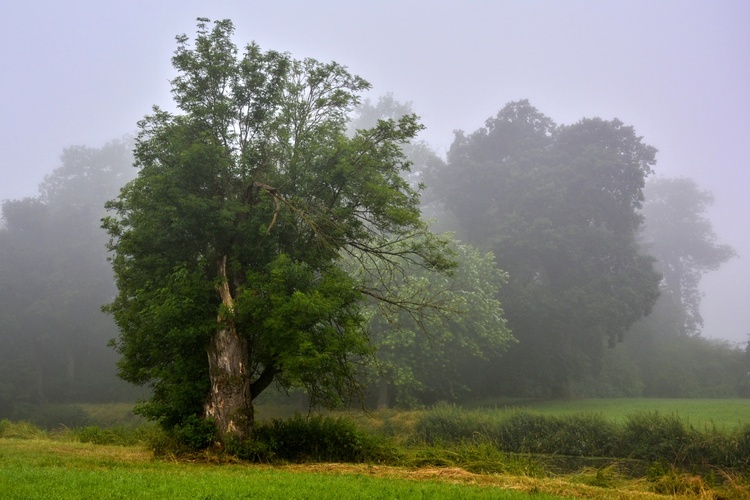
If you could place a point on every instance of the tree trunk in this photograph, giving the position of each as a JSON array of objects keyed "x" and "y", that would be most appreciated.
[
  {"x": 70, "y": 367},
  {"x": 230, "y": 402},
  {"x": 562, "y": 388},
  {"x": 562, "y": 385},
  {"x": 383, "y": 394}
]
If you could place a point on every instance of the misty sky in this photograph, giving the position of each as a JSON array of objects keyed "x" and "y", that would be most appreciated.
[{"x": 84, "y": 72}]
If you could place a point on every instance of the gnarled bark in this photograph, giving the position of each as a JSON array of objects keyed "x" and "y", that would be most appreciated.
[{"x": 229, "y": 403}]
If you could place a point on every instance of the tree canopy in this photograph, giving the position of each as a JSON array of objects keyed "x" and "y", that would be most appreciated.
[
  {"x": 678, "y": 232},
  {"x": 558, "y": 206},
  {"x": 228, "y": 247}
]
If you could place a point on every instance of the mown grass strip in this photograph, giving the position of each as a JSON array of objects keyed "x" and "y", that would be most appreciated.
[{"x": 36, "y": 469}]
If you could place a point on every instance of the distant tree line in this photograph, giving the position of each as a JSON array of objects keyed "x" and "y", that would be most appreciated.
[
  {"x": 54, "y": 278},
  {"x": 602, "y": 260}
]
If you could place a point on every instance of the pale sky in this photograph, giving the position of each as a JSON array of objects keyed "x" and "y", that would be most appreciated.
[{"x": 84, "y": 72}]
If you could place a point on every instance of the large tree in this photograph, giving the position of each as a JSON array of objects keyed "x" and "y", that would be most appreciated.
[
  {"x": 558, "y": 205},
  {"x": 229, "y": 245},
  {"x": 678, "y": 232}
]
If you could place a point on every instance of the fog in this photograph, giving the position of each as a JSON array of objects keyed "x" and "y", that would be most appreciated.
[{"x": 84, "y": 72}]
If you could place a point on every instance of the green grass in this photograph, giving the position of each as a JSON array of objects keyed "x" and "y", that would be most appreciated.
[
  {"x": 36, "y": 469},
  {"x": 112, "y": 414},
  {"x": 85, "y": 463},
  {"x": 724, "y": 414}
]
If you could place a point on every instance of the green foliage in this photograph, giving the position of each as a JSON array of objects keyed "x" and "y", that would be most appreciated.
[
  {"x": 305, "y": 318},
  {"x": 620, "y": 376},
  {"x": 681, "y": 366},
  {"x": 246, "y": 202},
  {"x": 316, "y": 439},
  {"x": 558, "y": 206},
  {"x": 440, "y": 355},
  {"x": 195, "y": 433}
]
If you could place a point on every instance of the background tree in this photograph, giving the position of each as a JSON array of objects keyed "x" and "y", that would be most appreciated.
[
  {"x": 445, "y": 358},
  {"x": 54, "y": 278},
  {"x": 679, "y": 234},
  {"x": 419, "y": 153},
  {"x": 558, "y": 206},
  {"x": 228, "y": 246}
]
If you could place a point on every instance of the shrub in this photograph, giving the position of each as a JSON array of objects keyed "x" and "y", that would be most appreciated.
[
  {"x": 584, "y": 435},
  {"x": 524, "y": 432},
  {"x": 652, "y": 436},
  {"x": 667, "y": 480},
  {"x": 20, "y": 430},
  {"x": 447, "y": 423},
  {"x": 194, "y": 433},
  {"x": 521, "y": 432},
  {"x": 320, "y": 439}
]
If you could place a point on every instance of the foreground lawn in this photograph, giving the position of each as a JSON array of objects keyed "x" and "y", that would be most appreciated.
[
  {"x": 35, "y": 465},
  {"x": 31, "y": 469}
]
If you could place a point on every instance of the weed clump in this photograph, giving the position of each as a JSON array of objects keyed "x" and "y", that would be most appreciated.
[{"x": 20, "y": 430}]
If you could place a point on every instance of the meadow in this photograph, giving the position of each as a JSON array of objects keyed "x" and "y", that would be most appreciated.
[
  {"x": 439, "y": 452},
  {"x": 723, "y": 414},
  {"x": 43, "y": 468}
]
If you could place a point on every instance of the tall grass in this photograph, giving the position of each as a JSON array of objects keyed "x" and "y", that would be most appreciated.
[
  {"x": 650, "y": 436},
  {"x": 723, "y": 414}
]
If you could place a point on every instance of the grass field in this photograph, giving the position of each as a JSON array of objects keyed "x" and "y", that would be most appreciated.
[
  {"x": 725, "y": 414},
  {"x": 42, "y": 464},
  {"x": 721, "y": 414},
  {"x": 44, "y": 469}
]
